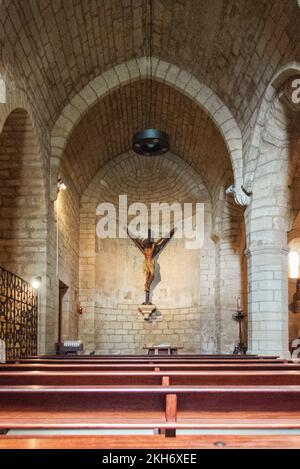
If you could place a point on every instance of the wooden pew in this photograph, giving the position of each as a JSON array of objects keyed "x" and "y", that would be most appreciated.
[
  {"x": 151, "y": 357},
  {"x": 209, "y": 367},
  {"x": 161, "y": 359},
  {"x": 151, "y": 442},
  {"x": 156, "y": 364},
  {"x": 151, "y": 378},
  {"x": 163, "y": 407}
]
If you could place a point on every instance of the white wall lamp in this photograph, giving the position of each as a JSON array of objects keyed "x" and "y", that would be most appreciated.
[
  {"x": 61, "y": 185},
  {"x": 36, "y": 282}
]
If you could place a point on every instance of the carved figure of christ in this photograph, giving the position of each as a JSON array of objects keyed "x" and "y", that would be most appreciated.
[{"x": 150, "y": 249}]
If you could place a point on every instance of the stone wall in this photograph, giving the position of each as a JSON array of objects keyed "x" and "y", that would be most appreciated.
[
  {"x": 24, "y": 207},
  {"x": 23, "y": 221},
  {"x": 67, "y": 213},
  {"x": 183, "y": 292},
  {"x": 123, "y": 330},
  {"x": 195, "y": 291}
]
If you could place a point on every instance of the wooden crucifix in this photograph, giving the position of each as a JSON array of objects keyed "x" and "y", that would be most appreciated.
[{"x": 150, "y": 249}]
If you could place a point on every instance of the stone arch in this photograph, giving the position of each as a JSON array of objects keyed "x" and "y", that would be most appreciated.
[
  {"x": 260, "y": 132},
  {"x": 188, "y": 174},
  {"x": 16, "y": 98},
  {"x": 184, "y": 182},
  {"x": 23, "y": 207},
  {"x": 134, "y": 70},
  {"x": 275, "y": 159}
]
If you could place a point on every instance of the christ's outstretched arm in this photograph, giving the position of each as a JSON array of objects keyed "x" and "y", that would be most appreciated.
[
  {"x": 136, "y": 241},
  {"x": 160, "y": 243}
]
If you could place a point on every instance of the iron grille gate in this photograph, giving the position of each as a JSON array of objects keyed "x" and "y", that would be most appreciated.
[{"x": 18, "y": 315}]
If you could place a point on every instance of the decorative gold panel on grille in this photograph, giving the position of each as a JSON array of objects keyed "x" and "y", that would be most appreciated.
[{"x": 18, "y": 315}]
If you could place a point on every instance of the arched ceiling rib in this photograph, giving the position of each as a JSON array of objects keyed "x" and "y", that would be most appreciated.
[{"x": 106, "y": 131}]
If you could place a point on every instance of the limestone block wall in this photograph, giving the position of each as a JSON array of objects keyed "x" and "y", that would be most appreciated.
[
  {"x": 231, "y": 278},
  {"x": 23, "y": 222},
  {"x": 123, "y": 330},
  {"x": 48, "y": 324},
  {"x": 67, "y": 213},
  {"x": 183, "y": 292},
  {"x": 24, "y": 208},
  {"x": 195, "y": 290},
  {"x": 230, "y": 287}
]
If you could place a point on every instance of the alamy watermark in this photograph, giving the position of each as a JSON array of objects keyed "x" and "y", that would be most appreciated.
[
  {"x": 296, "y": 91},
  {"x": 138, "y": 218}
]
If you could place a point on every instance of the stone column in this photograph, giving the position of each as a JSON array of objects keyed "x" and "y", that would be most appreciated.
[{"x": 268, "y": 300}]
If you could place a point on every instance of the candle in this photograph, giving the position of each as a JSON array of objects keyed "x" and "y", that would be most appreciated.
[{"x": 238, "y": 303}]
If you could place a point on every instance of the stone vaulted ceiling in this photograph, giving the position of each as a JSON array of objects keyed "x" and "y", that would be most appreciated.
[
  {"x": 53, "y": 48},
  {"x": 106, "y": 131}
]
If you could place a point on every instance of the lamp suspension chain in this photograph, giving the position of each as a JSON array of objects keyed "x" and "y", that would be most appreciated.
[{"x": 149, "y": 142}]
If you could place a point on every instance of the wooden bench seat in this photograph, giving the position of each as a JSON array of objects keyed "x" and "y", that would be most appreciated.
[
  {"x": 146, "y": 361},
  {"x": 151, "y": 442},
  {"x": 190, "y": 378},
  {"x": 148, "y": 367},
  {"x": 116, "y": 407},
  {"x": 155, "y": 357}
]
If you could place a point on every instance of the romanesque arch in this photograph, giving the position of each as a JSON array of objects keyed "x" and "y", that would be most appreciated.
[
  {"x": 23, "y": 228},
  {"x": 135, "y": 70}
]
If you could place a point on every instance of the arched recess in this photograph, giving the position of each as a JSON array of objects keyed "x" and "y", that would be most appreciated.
[
  {"x": 269, "y": 216},
  {"x": 23, "y": 208},
  {"x": 111, "y": 270},
  {"x": 103, "y": 133},
  {"x": 138, "y": 69},
  {"x": 294, "y": 239}
]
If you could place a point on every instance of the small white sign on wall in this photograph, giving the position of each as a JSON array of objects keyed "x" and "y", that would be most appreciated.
[{"x": 2, "y": 91}]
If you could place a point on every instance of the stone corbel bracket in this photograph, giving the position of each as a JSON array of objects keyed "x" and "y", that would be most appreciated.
[
  {"x": 241, "y": 196},
  {"x": 146, "y": 311}
]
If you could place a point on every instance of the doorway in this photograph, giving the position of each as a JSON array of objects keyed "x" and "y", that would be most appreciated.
[{"x": 63, "y": 288}]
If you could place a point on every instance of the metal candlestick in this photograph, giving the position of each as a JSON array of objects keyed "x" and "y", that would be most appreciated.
[{"x": 240, "y": 348}]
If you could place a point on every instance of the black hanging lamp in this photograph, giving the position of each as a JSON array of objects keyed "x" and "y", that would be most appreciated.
[{"x": 150, "y": 142}]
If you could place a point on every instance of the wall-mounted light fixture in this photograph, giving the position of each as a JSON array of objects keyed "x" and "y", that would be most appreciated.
[
  {"x": 61, "y": 185},
  {"x": 36, "y": 282}
]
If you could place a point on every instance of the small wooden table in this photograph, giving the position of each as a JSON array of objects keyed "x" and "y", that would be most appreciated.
[{"x": 163, "y": 349}]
